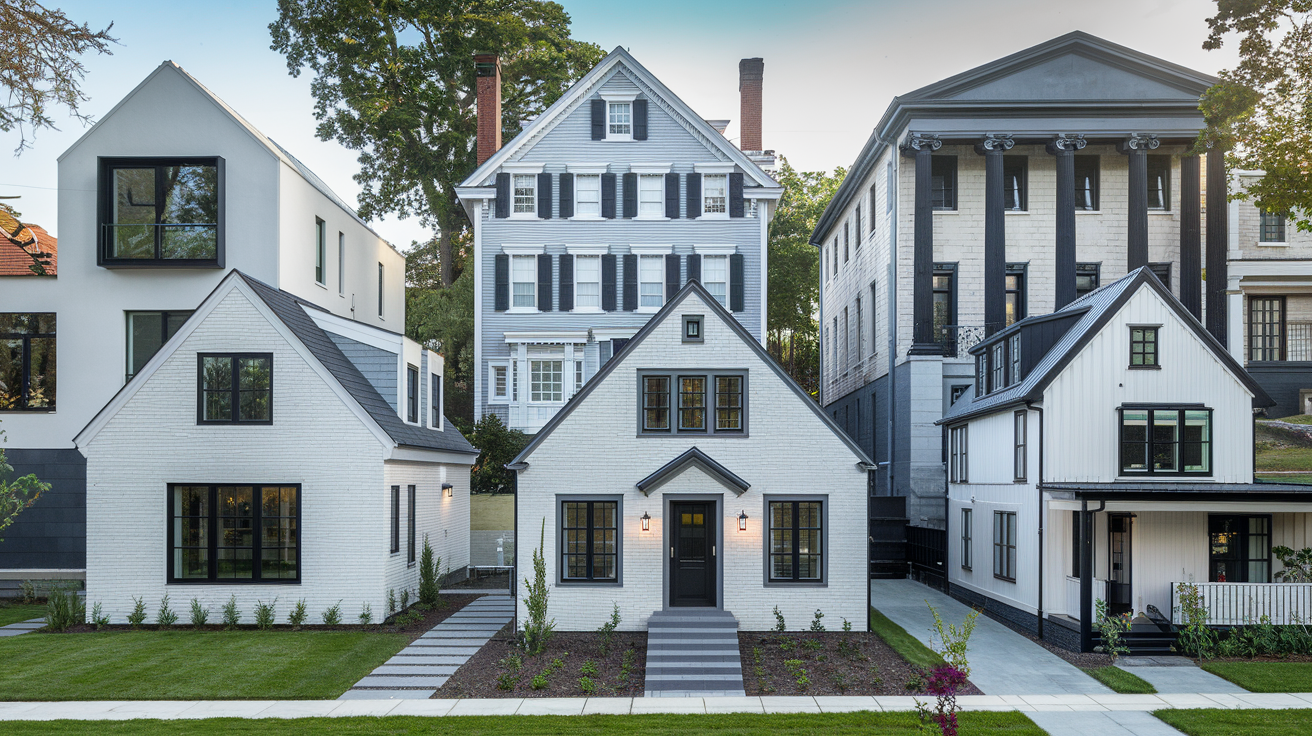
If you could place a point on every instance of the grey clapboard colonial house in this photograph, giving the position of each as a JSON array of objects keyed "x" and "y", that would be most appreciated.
[{"x": 590, "y": 220}]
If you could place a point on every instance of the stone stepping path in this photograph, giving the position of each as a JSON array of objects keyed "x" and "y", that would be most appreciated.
[
  {"x": 22, "y": 627},
  {"x": 417, "y": 671}
]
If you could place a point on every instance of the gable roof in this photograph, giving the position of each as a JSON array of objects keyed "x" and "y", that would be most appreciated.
[
  {"x": 693, "y": 457},
  {"x": 586, "y": 87},
  {"x": 20, "y": 241},
  {"x": 952, "y": 97},
  {"x": 1096, "y": 309},
  {"x": 672, "y": 306}
]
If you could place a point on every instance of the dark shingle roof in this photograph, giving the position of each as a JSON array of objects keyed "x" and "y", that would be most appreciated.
[{"x": 291, "y": 311}]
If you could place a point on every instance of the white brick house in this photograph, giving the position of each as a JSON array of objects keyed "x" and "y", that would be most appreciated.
[
  {"x": 273, "y": 450},
  {"x": 664, "y": 481}
]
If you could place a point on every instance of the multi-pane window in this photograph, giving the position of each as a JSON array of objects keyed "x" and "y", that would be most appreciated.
[
  {"x": 692, "y": 403},
  {"x": 160, "y": 211},
  {"x": 1143, "y": 347},
  {"x": 1015, "y": 293},
  {"x": 728, "y": 403},
  {"x": 847, "y": 241},
  {"x": 1087, "y": 176},
  {"x": 715, "y": 277},
  {"x": 943, "y": 182},
  {"x": 410, "y": 525},
  {"x": 967, "y": 537},
  {"x": 651, "y": 195},
  {"x": 981, "y": 374},
  {"x": 499, "y": 381},
  {"x": 1166, "y": 441},
  {"x": 1159, "y": 182},
  {"x": 796, "y": 536},
  {"x": 587, "y": 195},
  {"x": 620, "y": 118},
  {"x": 396, "y": 520},
  {"x": 1020, "y": 421},
  {"x": 1013, "y": 354},
  {"x": 234, "y": 533},
  {"x": 957, "y": 457},
  {"x": 1086, "y": 277},
  {"x": 1004, "y": 545},
  {"x": 587, "y": 282},
  {"x": 1272, "y": 228},
  {"x": 1015, "y": 195},
  {"x": 1266, "y": 328},
  {"x": 27, "y": 362},
  {"x": 524, "y": 282},
  {"x": 578, "y": 369},
  {"x": 873, "y": 212},
  {"x": 858, "y": 225},
  {"x": 945, "y": 312},
  {"x": 656, "y": 403},
  {"x": 147, "y": 333},
  {"x": 435, "y": 400},
  {"x": 590, "y": 532},
  {"x": 715, "y": 193},
  {"x": 412, "y": 394},
  {"x": 651, "y": 281},
  {"x": 1239, "y": 549},
  {"x": 236, "y": 389},
  {"x": 998, "y": 366},
  {"x": 320, "y": 251},
  {"x": 546, "y": 380},
  {"x": 526, "y": 194}
]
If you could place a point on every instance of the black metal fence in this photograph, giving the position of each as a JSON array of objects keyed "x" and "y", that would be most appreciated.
[{"x": 927, "y": 551}]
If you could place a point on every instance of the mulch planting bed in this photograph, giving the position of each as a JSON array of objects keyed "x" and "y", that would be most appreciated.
[
  {"x": 827, "y": 663},
  {"x": 558, "y": 672}
]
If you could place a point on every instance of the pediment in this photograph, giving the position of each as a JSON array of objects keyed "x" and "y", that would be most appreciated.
[{"x": 694, "y": 470}]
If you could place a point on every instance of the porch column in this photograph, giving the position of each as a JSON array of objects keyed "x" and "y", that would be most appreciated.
[
  {"x": 1191, "y": 237},
  {"x": 1218, "y": 234},
  {"x": 995, "y": 232},
  {"x": 1086, "y": 577},
  {"x": 922, "y": 147},
  {"x": 1064, "y": 148},
  {"x": 1136, "y": 147}
]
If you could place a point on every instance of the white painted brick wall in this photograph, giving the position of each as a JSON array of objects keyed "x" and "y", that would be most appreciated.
[{"x": 444, "y": 520}]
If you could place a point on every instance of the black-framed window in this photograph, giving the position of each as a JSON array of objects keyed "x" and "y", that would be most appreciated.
[
  {"x": 1075, "y": 544},
  {"x": 692, "y": 328},
  {"x": 1166, "y": 441},
  {"x": 997, "y": 366},
  {"x": 1013, "y": 357},
  {"x": 435, "y": 400},
  {"x": 945, "y": 301},
  {"x": 156, "y": 211},
  {"x": 235, "y": 388},
  {"x": 693, "y": 403},
  {"x": 1015, "y": 183},
  {"x": 1015, "y": 292},
  {"x": 410, "y": 525},
  {"x": 380, "y": 290},
  {"x": 1020, "y": 422},
  {"x": 1159, "y": 182},
  {"x": 958, "y": 467},
  {"x": 1239, "y": 548},
  {"x": 590, "y": 532},
  {"x": 1163, "y": 273},
  {"x": 874, "y": 213},
  {"x": 1087, "y": 277},
  {"x": 847, "y": 240},
  {"x": 967, "y": 537},
  {"x": 1143, "y": 347},
  {"x": 412, "y": 394},
  {"x": 147, "y": 333},
  {"x": 27, "y": 362},
  {"x": 957, "y": 392},
  {"x": 796, "y": 539},
  {"x": 728, "y": 403},
  {"x": 1266, "y": 328},
  {"x": 1087, "y": 180},
  {"x": 857, "y": 213},
  {"x": 981, "y": 374},
  {"x": 943, "y": 182},
  {"x": 320, "y": 251},
  {"x": 1004, "y": 545},
  {"x": 396, "y": 520},
  {"x": 234, "y": 533},
  {"x": 656, "y": 403},
  {"x": 1272, "y": 229}
]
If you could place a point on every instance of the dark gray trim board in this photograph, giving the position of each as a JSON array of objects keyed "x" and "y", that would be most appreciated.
[
  {"x": 561, "y": 500},
  {"x": 693, "y": 456},
  {"x": 717, "y": 500},
  {"x": 825, "y": 549}
]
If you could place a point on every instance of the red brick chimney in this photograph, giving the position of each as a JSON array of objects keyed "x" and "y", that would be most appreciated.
[
  {"x": 487, "y": 67},
  {"x": 750, "y": 72}
]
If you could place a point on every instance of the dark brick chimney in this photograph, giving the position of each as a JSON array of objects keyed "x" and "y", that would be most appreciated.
[
  {"x": 750, "y": 72},
  {"x": 488, "y": 69}
]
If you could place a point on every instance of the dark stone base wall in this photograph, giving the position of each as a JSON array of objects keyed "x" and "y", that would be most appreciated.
[
  {"x": 52, "y": 534},
  {"x": 1062, "y": 633},
  {"x": 1056, "y": 632}
]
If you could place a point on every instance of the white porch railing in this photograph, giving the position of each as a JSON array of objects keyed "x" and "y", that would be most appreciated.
[
  {"x": 1073, "y": 595},
  {"x": 1237, "y": 604},
  {"x": 530, "y": 417}
]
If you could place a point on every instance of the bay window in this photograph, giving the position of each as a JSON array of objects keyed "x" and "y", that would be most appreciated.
[{"x": 1166, "y": 441}]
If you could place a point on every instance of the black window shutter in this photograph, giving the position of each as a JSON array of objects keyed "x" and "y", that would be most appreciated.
[
  {"x": 671, "y": 275},
  {"x": 694, "y": 206},
  {"x": 639, "y": 120},
  {"x": 694, "y": 267},
  {"x": 566, "y": 195},
  {"x": 608, "y": 196},
  {"x": 630, "y": 195},
  {"x": 672, "y": 196},
  {"x": 544, "y": 282},
  {"x": 544, "y": 196},
  {"x": 630, "y": 282},
  {"x": 503, "y": 195},
  {"x": 736, "y": 282},
  {"x": 598, "y": 120},
  {"x": 735, "y": 195},
  {"x": 566, "y": 282},
  {"x": 502, "y": 269},
  {"x": 608, "y": 282}
]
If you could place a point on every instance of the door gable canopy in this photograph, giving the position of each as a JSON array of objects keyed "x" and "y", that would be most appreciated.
[{"x": 700, "y": 460}]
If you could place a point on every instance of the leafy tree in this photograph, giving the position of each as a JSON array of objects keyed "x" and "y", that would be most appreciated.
[
  {"x": 394, "y": 79},
  {"x": 443, "y": 319},
  {"x": 499, "y": 445},
  {"x": 17, "y": 494},
  {"x": 1262, "y": 109},
  {"x": 794, "y": 275},
  {"x": 39, "y": 65}
]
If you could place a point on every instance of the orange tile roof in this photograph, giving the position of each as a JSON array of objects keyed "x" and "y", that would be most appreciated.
[{"x": 20, "y": 241}]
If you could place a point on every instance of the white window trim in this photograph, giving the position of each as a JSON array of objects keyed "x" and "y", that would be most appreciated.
[
  {"x": 587, "y": 168},
  {"x": 648, "y": 168},
  {"x": 588, "y": 251},
  {"x": 547, "y": 338},
  {"x": 593, "y": 170},
  {"x": 716, "y": 215},
  {"x": 641, "y": 174},
  {"x": 715, "y": 250},
  {"x": 492, "y": 396},
  {"x": 524, "y": 215},
  {"x": 522, "y": 250},
  {"x": 566, "y": 371},
  {"x": 610, "y": 97},
  {"x": 602, "y": 334},
  {"x": 649, "y": 251},
  {"x": 717, "y": 167},
  {"x": 720, "y": 252},
  {"x": 521, "y": 167}
]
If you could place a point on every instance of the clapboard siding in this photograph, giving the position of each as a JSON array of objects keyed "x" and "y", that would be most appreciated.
[{"x": 377, "y": 365}]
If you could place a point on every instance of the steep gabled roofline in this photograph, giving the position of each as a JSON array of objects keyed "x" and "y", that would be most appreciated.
[{"x": 693, "y": 457}]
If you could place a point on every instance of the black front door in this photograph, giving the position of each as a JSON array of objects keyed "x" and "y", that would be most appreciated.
[
  {"x": 692, "y": 554},
  {"x": 1119, "y": 580}
]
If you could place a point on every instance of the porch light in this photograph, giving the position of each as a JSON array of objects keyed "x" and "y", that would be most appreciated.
[
  {"x": 742, "y": 521},
  {"x": 446, "y": 489},
  {"x": 646, "y": 522}
]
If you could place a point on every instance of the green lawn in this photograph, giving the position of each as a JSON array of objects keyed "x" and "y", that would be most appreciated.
[
  {"x": 1218, "y": 722},
  {"x": 1120, "y": 681},
  {"x": 1285, "y": 458},
  {"x": 903, "y": 643},
  {"x": 1296, "y": 419},
  {"x": 729, "y": 724},
  {"x": 12, "y": 613},
  {"x": 1265, "y": 677},
  {"x": 185, "y": 665},
  {"x": 1303, "y": 478}
]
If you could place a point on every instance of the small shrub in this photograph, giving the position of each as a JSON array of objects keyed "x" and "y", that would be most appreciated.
[
  {"x": 332, "y": 616},
  {"x": 1195, "y": 637},
  {"x": 537, "y": 629},
  {"x": 779, "y": 621},
  {"x": 298, "y": 614},
  {"x": 788, "y": 645},
  {"x": 840, "y": 681},
  {"x": 64, "y": 608},
  {"x": 539, "y": 681},
  {"x": 953, "y": 640},
  {"x": 264, "y": 615},
  {"x": 138, "y": 615},
  {"x": 607, "y": 630},
  {"x": 507, "y": 681},
  {"x": 166, "y": 616},
  {"x": 391, "y": 601},
  {"x": 814, "y": 645},
  {"x": 797, "y": 672},
  {"x": 430, "y": 583},
  {"x": 588, "y": 668},
  {"x": 512, "y": 662},
  {"x": 199, "y": 614},
  {"x": 626, "y": 665},
  {"x": 1112, "y": 629},
  {"x": 847, "y": 626},
  {"x": 815, "y": 622},
  {"x": 943, "y": 683},
  {"x": 587, "y": 685},
  {"x": 231, "y": 614},
  {"x": 99, "y": 618},
  {"x": 405, "y": 599},
  {"x": 557, "y": 664},
  {"x": 366, "y": 615},
  {"x": 29, "y": 591}
]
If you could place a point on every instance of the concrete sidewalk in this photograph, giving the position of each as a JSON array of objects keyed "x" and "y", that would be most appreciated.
[{"x": 1002, "y": 662}]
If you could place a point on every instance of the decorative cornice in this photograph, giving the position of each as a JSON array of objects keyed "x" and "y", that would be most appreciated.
[
  {"x": 917, "y": 142},
  {"x": 1070, "y": 142},
  {"x": 1140, "y": 142},
  {"x": 994, "y": 143}
]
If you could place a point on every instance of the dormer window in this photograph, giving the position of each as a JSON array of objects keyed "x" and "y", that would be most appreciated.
[{"x": 160, "y": 212}]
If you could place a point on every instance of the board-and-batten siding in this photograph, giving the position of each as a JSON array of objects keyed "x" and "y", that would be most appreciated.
[
  {"x": 1017, "y": 497},
  {"x": 1082, "y": 431}
]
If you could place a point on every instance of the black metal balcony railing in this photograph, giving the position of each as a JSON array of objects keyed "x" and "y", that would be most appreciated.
[
  {"x": 161, "y": 242},
  {"x": 957, "y": 340}
]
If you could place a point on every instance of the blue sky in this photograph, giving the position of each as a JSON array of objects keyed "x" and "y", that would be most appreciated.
[{"x": 830, "y": 67}]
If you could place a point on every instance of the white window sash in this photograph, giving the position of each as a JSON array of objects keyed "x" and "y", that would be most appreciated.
[
  {"x": 524, "y": 194},
  {"x": 523, "y": 291},
  {"x": 587, "y": 282}
]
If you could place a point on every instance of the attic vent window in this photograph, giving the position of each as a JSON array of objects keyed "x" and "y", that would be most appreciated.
[{"x": 692, "y": 328}]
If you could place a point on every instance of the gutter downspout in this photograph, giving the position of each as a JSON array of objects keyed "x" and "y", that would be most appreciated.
[
  {"x": 1039, "y": 486},
  {"x": 1086, "y": 573}
]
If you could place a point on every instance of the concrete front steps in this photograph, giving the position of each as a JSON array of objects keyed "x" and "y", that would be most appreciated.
[{"x": 693, "y": 652}]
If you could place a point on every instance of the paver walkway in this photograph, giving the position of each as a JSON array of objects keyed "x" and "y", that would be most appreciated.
[
  {"x": 22, "y": 627},
  {"x": 1002, "y": 662},
  {"x": 1177, "y": 675},
  {"x": 417, "y": 671}
]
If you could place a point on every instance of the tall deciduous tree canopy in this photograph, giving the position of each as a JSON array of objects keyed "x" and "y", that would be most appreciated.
[
  {"x": 394, "y": 79},
  {"x": 794, "y": 274},
  {"x": 1262, "y": 109},
  {"x": 39, "y": 66}
]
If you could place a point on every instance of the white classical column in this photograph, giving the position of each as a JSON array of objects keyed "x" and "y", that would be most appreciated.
[{"x": 1235, "y": 318}]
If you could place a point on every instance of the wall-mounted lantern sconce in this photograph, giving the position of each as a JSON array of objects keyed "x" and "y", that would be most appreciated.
[
  {"x": 646, "y": 522},
  {"x": 446, "y": 489},
  {"x": 742, "y": 521}
]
